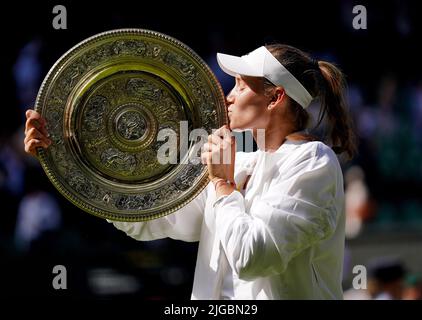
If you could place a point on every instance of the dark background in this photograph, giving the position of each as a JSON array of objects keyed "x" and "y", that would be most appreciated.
[{"x": 383, "y": 69}]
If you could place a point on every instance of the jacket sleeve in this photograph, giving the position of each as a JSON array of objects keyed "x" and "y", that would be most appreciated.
[
  {"x": 184, "y": 224},
  {"x": 296, "y": 212}
]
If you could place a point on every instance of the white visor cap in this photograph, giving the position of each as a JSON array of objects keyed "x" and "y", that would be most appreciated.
[{"x": 261, "y": 63}]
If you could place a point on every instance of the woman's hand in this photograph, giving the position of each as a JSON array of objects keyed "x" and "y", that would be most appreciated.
[
  {"x": 219, "y": 154},
  {"x": 36, "y": 134}
]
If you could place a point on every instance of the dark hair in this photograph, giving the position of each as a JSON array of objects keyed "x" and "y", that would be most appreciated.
[{"x": 325, "y": 81}]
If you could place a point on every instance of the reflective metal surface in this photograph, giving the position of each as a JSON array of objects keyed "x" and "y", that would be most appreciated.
[{"x": 107, "y": 102}]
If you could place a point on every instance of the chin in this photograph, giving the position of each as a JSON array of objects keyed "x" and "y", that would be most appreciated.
[
  {"x": 233, "y": 125},
  {"x": 236, "y": 128}
]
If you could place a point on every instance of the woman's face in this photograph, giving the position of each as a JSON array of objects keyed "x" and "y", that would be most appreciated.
[{"x": 247, "y": 104}]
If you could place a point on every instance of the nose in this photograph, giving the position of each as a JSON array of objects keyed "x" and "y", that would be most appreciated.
[{"x": 229, "y": 99}]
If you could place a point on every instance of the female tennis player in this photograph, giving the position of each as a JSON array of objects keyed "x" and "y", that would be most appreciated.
[{"x": 270, "y": 224}]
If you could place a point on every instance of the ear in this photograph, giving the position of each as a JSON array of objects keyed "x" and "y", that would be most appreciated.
[{"x": 277, "y": 97}]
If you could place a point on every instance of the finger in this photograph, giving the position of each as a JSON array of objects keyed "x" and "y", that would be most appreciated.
[
  {"x": 32, "y": 122},
  {"x": 33, "y": 133},
  {"x": 35, "y": 143},
  {"x": 206, "y": 147},
  {"x": 206, "y": 157},
  {"x": 32, "y": 114},
  {"x": 223, "y": 132},
  {"x": 219, "y": 143},
  {"x": 222, "y": 129},
  {"x": 42, "y": 128},
  {"x": 38, "y": 124},
  {"x": 34, "y": 119},
  {"x": 32, "y": 145},
  {"x": 214, "y": 139}
]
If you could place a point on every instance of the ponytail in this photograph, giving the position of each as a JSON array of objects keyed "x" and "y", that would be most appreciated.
[
  {"x": 326, "y": 82},
  {"x": 333, "y": 104}
]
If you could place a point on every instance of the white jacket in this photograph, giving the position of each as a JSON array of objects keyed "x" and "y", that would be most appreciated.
[{"x": 284, "y": 239}]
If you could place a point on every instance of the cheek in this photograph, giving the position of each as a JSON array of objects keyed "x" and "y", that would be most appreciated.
[
  {"x": 251, "y": 103},
  {"x": 249, "y": 111}
]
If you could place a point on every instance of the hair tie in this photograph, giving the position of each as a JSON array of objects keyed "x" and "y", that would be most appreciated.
[{"x": 314, "y": 63}]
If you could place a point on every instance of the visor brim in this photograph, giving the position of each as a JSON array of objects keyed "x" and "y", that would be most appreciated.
[{"x": 234, "y": 65}]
